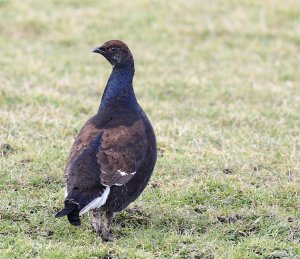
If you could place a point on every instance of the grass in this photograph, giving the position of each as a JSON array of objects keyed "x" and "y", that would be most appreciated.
[{"x": 220, "y": 83}]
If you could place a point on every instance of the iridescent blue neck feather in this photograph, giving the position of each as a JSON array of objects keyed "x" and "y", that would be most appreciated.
[{"x": 119, "y": 88}]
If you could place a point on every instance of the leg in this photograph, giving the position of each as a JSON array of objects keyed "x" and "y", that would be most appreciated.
[
  {"x": 106, "y": 235},
  {"x": 96, "y": 221}
]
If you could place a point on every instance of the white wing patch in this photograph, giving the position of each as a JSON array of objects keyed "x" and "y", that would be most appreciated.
[
  {"x": 97, "y": 203},
  {"x": 118, "y": 178},
  {"x": 122, "y": 173}
]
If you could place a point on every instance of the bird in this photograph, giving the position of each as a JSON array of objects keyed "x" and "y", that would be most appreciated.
[{"x": 114, "y": 154}]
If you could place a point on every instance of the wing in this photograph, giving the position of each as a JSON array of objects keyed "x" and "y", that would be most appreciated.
[
  {"x": 122, "y": 150},
  {"x": 87, "y": 134}
]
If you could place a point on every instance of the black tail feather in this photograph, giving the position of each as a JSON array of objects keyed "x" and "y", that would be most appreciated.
[
  {"x": 75, "y": 201},
  {"x": 71, "y": 210},
  {"x": 73, "y": 217},
  {"x": 64, "y": 212}
]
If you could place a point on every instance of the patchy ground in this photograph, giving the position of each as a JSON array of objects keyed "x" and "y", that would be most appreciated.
[{"x": 220, "y": 83}]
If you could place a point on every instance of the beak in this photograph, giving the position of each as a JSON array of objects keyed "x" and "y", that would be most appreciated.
[{"x": 100, "y": 50}]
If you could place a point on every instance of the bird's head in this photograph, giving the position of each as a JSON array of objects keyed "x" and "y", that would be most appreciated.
[{"x": 115, "y": 51}]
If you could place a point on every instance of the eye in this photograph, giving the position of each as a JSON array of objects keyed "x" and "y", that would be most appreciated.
[{"x": 112, "y": 49}]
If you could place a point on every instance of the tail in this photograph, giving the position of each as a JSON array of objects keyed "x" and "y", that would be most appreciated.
[
  {"x": 77, "y": 203},
  {"x": 71, "y": 210}
]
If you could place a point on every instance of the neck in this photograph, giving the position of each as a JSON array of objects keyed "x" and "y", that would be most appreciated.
[{"x": 119, "y": 89}]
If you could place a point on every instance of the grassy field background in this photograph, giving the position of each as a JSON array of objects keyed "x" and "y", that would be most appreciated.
[{"x": 220, "y": 82}]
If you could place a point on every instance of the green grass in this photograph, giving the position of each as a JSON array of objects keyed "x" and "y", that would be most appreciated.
[{"x": 219, "y": 81}]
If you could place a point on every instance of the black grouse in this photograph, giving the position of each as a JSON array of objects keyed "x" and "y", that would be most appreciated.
[{"x": 114, "y": 154}]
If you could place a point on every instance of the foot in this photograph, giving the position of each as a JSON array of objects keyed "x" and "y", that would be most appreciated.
[
  {"x": 96, "y": 221},
  {"x": 98, "y": 230},
  {"x": 107, "y": 236}
]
